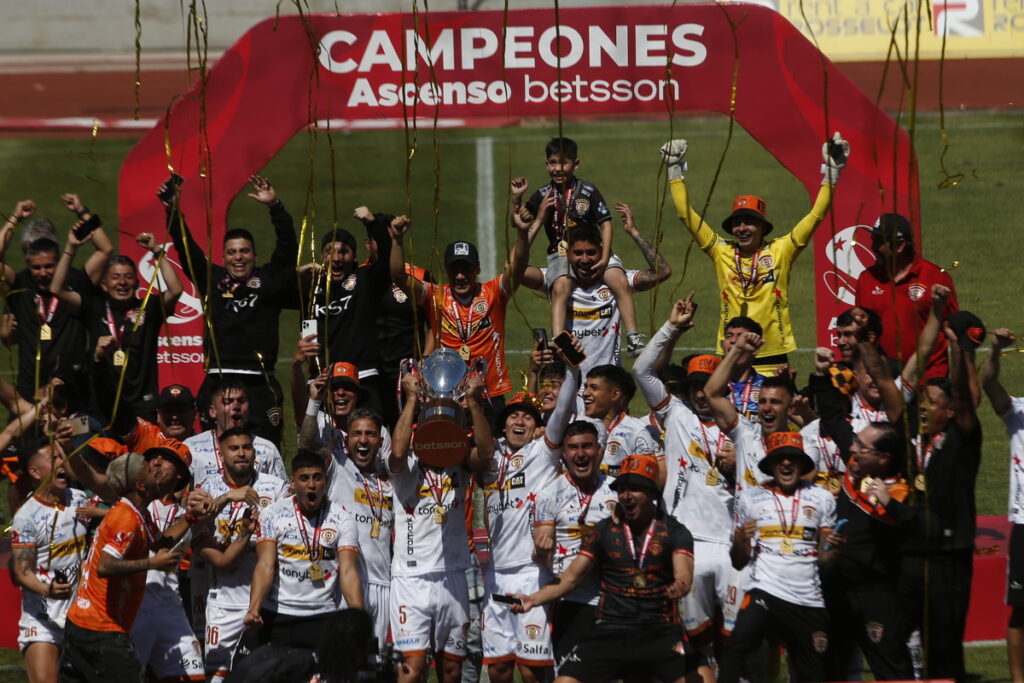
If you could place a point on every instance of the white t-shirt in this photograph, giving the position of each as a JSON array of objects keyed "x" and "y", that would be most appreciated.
[
  {"x": 422, "y": 544},
  {"x": 369, "y": 498},
  {"x": 294, "y": 592},
  {"x": 41, "y": 525},
  {"x": 160, "y": 585},
  {"x": 230, "y": 588},
  {"x": 1014, "y": 421},
  {"x": 565, "y": 506},
  {"x": 749, "y": 443},
  {"x": 206, "y": 461},
  {"x": 595, "y": 321},
  {"x": 784, "y": 562},
  {"x": 696, "y": 493},
  {"x": 511, "y": 484},
  {"x": 826, "y": 456}
]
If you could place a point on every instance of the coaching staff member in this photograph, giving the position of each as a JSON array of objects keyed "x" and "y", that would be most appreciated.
[{"x": 645, "y": 560}]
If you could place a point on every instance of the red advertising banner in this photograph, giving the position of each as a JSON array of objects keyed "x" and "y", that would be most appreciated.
[{"x": 488, "y": 67}]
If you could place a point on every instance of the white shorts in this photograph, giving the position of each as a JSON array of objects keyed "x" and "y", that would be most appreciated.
[
  {"x": 224, "y": 626},
  {"x": 558, "y": 265},
  {"x": 430, "y": 612},
  {"x": 523, "y": 637},
  {"x": 164, "y": 640},
  {"x": 716, "y": 585},
  {"x": 32, "y": 629}
]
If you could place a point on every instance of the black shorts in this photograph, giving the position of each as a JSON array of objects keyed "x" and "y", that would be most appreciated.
[
  {"x": 1015, "y": 568},
  {"x": 97, "y": 656},
  {"x": 572, "y": 623},
  {"x": 611, "y": 653}
]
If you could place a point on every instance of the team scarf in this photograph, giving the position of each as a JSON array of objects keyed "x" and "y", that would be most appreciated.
[{"x": 898, "y": 490}]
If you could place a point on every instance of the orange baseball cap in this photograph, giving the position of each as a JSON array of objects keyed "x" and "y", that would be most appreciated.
[
  {"x": 346, "y": 374},
  {"x": 172, "y": 449},
  {"x": 522, "y": 400},
  {"x": 700, "y": 367},
  {"x": 748, "y": 206},
  {"x": 640, "y": 471},
  {"x": 785, "y": 445},
  {"x": 106, "y": 447}
]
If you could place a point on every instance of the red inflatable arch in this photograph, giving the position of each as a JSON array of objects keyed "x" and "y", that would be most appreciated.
[{"x": 490, "y": 71}]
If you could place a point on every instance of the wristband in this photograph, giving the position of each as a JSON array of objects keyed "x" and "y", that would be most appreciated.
[
  {"x": 85, "y": 210},
  {"x": 190, "y": 518},
  {"x": 313, "y": 407}
]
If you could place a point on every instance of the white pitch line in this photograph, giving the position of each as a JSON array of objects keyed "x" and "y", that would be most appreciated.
[{"x": 485, "y": 206}]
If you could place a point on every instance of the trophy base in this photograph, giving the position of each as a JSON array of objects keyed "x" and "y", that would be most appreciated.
[{"x": 440, "y": 443}]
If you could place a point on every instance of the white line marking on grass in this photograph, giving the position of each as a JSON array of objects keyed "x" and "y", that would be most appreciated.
[
  {"x": 985, "y": 643},
  {"x": 485, "y": 206}
]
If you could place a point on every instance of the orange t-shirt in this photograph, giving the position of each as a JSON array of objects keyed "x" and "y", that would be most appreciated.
[
  {"x": 146, "y": 435},
  {"x": 111, "y": 603},
  {"x": 480, "y": 325}
]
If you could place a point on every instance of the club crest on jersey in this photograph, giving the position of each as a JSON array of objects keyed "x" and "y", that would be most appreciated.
[
  {"x": 820, "y": 641},
  {"x": 809, "y": 511},
  {"x": 253, "y": 283},
  {"x": 264, "y": 502},
  {"x": 582, "y": 205},
  {"x": 916, "y": 291},
  {"x": 479, "y": 306},
  {"x": 613, "y": 448},
  {"x": 328, "y": 535},
  {"x": 657, "y": 547},
  {"x": 604, "y": 294},
  {"x": 875, "y": 631},
  {"x": 766, "y": 261},
  {"x": 533, "y": 631},
  {"x": 349, "y": 284},
  {"x": 516, "y": 462},
  {"x": 274, "y": 416},
  {"x": 400, "y": 296}
]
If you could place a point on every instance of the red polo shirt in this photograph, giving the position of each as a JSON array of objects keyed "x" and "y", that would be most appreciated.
[{"x": 903, "y": 306}]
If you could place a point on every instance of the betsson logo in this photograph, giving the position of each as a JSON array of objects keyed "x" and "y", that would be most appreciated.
[{"x": 460, "y": 50}]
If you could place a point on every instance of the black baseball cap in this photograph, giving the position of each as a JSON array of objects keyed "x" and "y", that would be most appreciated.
[
  {"x": 969, "y": 330},
  {"x": 890, "y": 226},
  {"x": 461, "y": 251},
  {"x": 175, "y": 394}
]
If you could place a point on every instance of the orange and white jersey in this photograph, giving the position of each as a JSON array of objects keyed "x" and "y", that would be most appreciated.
[
  {"x": 784, "y": 560},
  {"x": 511, "y": 484},
  {"x": 697, "y": 493},
  {"x": 301, "y": 542},
  {"x": 626, "y": 435},
  {"x": 430, "y": 520},
  {"x": 206, "y": 460},
  {"x": 369, "y": 498},
  {"x": 110, "y": 603},
  {"x": 569, "y": 509},
  {"x": 60, "y": 540},
  {"x": 230, "y": 588},
  {"x": 478, "y": 324}
]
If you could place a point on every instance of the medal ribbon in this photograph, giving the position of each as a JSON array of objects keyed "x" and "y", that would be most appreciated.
[
  {"x": 47, "y": 315},
  {"x": 743, "y": 402},
  {"x": 787, "y": 530},
  {"x": 648, "y": 535},
  {"x": 314, "y": 549},
  {"x": 558, "y": 218},
  {"x": 147, "y": 524},
  {"x": 216, "y": 451},
  {"x": 924, "y": 456},
  {"x": 117, "y": 330},
  {"x": 436, "y": 490},
  {"x": 583, "y": 499},
  {"x": 830, "y": 455},
  {"x": 744, "y": 284},
  {"x": 870, "y": 415},
  {"x": 464, "y": 329},
  {"x": 379, "y": 516},
  {"x": 707, "y": 444}
]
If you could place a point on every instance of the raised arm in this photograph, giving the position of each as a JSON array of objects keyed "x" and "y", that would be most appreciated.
[
  {"x": 959, "y": 370},
  {"x": 97, "y": 261},
  {"x": 413, "y": 287},
  {"x": 519, "y": 258},
  {"x": 482, "y": 450},
  {"x": 996, "y": 392},
  {"x": 401, "y": 437},
  {"x": 658, "y": 268},
  {"x": 673, "y": 154},
  {"x": 892, "y": 397},
  {"x": 717, "y": 388},
  {"x": 307, "y": 348},
  {"x": 286, "y": 242},
  {"x": 70, "y": 298},
  {"x": 564, "y": 404},
  {"x": 22, "y": 210},
  {"x": 915, "y": 367},
  {"x": 834, "y": 154},
  {"x": 192, "y": 256},
  {"x": 172, "y": 285},
  {"x": 680, "y": 319},
  {"x": 309, "y": 437}
]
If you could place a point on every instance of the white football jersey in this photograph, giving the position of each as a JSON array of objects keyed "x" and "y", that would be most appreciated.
[
  {"x": 826, "y": 456},
  {"x": 696, "y": 493},
  {"x": 160, "y": 585},
  {"x": 230, "y": 588},
  {"x": 206, "y": 461},
  {"x": 336, "y": 439},
  {"x": 563, "y": 504},
  {"x": 424, "y": 541},
  {"x": 749, "y": 443},
  {"x": 369, "y": 499},
  {"x": 784, "y": 561},
  {"x": 596, "y": 322},
  {"x": 1014, "y": 421},
  {"x": 300, "y": 541},
  {"x": 511, "y": 484},
  {"x": 60, "y": 540}
]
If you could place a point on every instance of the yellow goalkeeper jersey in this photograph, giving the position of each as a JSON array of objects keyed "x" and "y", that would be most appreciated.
[{"x": 756, "y": 287}]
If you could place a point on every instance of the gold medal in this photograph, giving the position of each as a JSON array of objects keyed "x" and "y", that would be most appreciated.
[
  {"x": 919, "y": 483},
  {"x": 865, "y": 484},
  {"x": 375, "y": 529},
  {"x": 440, "y": 515},
  {"x": 640, "y": 579},
  {"x": 834, "y": 484},
  {"x": 316, "y": 572},
  {"x": 563, "y": 248},
  {"x": 711, "y": 479},
  {"x": 464, "y": 352},
  {"x": 787, "y": 546},
  {"x": 228, "y": 295},
  {"x": 45, "y": 333},
  {"x": 120, "y": 358}
]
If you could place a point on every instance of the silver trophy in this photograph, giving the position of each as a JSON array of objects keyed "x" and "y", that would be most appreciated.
[{"x": 440, "y": 438}]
